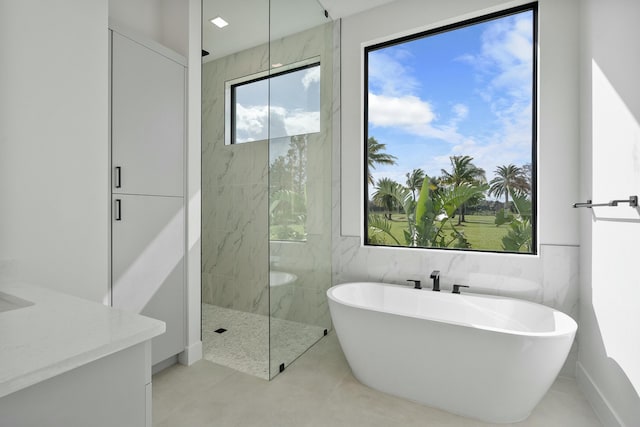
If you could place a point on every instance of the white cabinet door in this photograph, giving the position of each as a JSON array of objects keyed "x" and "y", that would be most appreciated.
[
  {"x": 148, "y": 264},
  {"x": 148, "y": 120}
]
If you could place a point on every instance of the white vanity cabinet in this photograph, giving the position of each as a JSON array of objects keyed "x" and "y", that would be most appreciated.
[
  {"x": 148, "y": 108},
  {"x": 65, "y": 361}
]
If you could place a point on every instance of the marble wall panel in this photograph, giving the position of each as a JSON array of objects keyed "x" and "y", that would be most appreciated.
[
  {"x": 550, "y": 278},
  {"x": 310, "y": 261},
  {"x": 234, "y": 197},
  {"x": 235, "y": 194}
]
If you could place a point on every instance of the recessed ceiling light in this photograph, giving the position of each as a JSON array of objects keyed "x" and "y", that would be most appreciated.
[{"x": 219, "y": 22}]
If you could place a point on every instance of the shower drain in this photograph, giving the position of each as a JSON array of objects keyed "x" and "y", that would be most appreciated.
[{"x": 220, "y": 330}]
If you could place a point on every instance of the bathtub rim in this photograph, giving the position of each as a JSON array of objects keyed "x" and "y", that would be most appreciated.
[{"x": 566, "y": 326}]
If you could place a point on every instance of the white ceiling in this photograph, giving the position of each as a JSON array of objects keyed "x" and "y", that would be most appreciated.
[
  {"x": 249, "y": 20},
  {"x": 341, "y": 8}
]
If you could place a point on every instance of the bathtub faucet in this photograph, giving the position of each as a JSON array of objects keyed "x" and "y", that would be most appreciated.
[
  {"x": 416, "y": 283},
  {"x": 456, "y": 288},
  {"x": 435, "y": 275}
]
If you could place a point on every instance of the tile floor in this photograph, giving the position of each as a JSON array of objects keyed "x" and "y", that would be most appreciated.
[
  {"x": 318, "y": 389},
  {"x": 250, "y": 340}
]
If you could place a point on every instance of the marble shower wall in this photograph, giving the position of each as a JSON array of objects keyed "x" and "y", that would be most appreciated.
[
  {"x": 235, "y": 196},
  {"x": 235, "y": 229},
  {"x": 305, "y": 300}
]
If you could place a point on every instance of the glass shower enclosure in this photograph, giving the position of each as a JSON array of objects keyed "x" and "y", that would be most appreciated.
[{"x": 267, "y": 104}]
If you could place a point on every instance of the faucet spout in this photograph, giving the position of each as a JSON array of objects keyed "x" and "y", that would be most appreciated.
[
  {"x": 435, "y": 275},
  {"x": 416, "y": 283}
]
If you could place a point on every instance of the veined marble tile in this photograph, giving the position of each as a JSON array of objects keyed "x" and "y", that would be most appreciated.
[
  {"x": 221, "y": 258},
  {"x": 560, "y": 274},
  {"x": 235, "y": 195},
  {"x": 550, "y": 278},
  {"x": 223, "y": 291}
]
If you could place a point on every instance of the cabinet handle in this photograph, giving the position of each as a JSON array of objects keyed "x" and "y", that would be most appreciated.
[
  {"x": 118, "y": 213},
  {"x": 117, "y": 177}
]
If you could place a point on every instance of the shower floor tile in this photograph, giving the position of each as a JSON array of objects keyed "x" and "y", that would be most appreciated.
[{"x": 244, "y": 345}]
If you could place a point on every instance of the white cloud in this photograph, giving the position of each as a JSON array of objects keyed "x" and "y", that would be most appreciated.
[
  {"x": 508, "y": 42},
  {"x": 460, "y": 112},
  {"x": 253, "y": 122},
  {"x": 301, "y": 122},
  {"x": 312, "y": 75},
  {"x": 505, "y": 64},
  {"x": 389, "y": 76},
  {"x": 503, "y": 69},
  {"x": 506, "y": 56},
  {"x": 393, "y": 102},
  {"x": 413, "y": 115},
  {"x": 402, "y": 111},
  {"x": 501, "y": 148}
]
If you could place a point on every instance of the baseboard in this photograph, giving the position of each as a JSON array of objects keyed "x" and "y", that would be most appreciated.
[
  {"x": 596, "y": 399},
  {"x": 191, "y": 354},
  {"x": 164, "y": 364}
]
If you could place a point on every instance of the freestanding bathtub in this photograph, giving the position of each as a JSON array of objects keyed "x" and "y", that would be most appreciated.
[{"x": 486, "y": 357}]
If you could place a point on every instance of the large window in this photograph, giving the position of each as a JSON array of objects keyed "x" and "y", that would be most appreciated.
[{"x": 450, "y": 136}]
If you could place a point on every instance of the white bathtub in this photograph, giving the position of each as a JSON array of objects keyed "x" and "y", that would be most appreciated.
[
  {"x": 281, "y": 291},
  {"x": 485, "y": 357}
]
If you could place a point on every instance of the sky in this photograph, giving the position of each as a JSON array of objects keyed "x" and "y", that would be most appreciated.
[
  {"x": 294, "y": 98},
  {"x": 461, "y": 92}
]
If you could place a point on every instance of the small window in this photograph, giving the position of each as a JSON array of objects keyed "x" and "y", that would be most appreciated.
[
  {"x": 282, "y": 107},
  {"x": 274, "y": 105},
  {"x": 450, "y": 136}
]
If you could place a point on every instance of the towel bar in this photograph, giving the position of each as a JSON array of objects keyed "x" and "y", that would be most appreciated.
[{"x": 632, "y": 200}]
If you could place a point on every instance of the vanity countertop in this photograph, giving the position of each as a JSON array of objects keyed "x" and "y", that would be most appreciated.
[{"x": 59, "y": 332}]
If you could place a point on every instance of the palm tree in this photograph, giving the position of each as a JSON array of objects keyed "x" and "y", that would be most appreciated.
[
  {"x": 527, "y": 172},
  {"x": 435, "y": 185},
  {"x": 463, "y": 172},
  {"x": 508, "y": 178},
  {"x": 414, "y": 181},
  {"x": 386, "y": 195},
  {"x": 377, "y": 156},
  {"x": 427, "y": 217}
]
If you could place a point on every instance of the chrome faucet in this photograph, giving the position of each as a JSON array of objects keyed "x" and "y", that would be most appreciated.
[{"x": 435, "y": 275}]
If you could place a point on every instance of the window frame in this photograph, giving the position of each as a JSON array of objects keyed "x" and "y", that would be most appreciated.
[
  {"x": 231, "y": 85},
  {"x": 533, "y": 7}
]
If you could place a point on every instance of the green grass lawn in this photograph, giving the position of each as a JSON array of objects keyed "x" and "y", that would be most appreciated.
[{"x": 480, "y": 230}]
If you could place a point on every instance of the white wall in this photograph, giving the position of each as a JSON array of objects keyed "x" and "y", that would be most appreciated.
[
  {"x": 142, "y": 16},
  {"x": 609, "y": 354},
  {"x": 163, "y": 21},
  {"x": 558, "y": 96},
  {"x": 558, "y": 117},
  {"x": 175, "y": 24},
  {"x": 193, "y": 351},
  {"x": 54, "y": 151}
]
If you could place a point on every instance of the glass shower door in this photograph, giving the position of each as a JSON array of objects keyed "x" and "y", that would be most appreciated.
[
  {"x": 235, "y": 229},
  {"x": 300, "y": 140}
]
